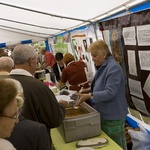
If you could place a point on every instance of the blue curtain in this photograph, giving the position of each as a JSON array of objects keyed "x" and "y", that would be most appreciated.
[{"x": 47, "y": 46}]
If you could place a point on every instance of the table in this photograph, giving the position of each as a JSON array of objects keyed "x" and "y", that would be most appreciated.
[{"x": 59, "y": 143}]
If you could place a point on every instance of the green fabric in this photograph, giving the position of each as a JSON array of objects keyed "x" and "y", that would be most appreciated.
[{"x": 115, "y": 129}]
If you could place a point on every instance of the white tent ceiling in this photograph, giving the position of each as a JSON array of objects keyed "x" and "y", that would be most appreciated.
[{"x": 36, "y": 19}]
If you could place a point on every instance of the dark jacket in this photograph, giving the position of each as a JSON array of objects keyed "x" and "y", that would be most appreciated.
[
  {"x": 30, "y": 135},
  {"x": 40, "y": 103},
  {"x": 56, "y": 71}
]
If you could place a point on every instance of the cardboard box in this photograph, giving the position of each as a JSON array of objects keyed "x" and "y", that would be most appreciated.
[{"x": 80, "y": 123}]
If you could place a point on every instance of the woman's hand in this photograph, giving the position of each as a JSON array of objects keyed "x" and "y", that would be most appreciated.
[
  {"x": 83, "y": 97},
  {"x": 82, "y": 90}
]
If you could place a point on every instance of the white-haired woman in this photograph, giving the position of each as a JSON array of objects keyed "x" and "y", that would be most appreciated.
[{"x": 11, "y": 100}]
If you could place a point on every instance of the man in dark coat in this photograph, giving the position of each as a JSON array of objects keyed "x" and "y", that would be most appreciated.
[{"x": 40, "y": 103}]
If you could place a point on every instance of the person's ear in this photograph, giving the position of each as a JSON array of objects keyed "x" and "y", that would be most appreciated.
[{"x": 31, "y": 61}]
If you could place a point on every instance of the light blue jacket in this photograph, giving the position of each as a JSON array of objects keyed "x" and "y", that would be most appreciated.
[{"x": 109, "y": 91}]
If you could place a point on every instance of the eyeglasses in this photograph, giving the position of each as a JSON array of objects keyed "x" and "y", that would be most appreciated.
[{"x": 15, "y": 116}]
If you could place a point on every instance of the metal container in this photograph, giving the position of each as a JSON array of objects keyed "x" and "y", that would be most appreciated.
[{"x": 80, "y": 123}]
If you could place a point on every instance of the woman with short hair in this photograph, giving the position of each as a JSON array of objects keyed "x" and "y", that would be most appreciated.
[
  {"x": 11, "y": 100},
  {"x": 108, "y": 92}
]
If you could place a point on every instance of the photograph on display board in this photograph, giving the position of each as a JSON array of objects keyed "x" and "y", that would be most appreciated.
[
  {"x": 66, "y": 38},
  {"x": 60, "y": 46},
  {"x": 85, "y": 45},
  {"x": 117, "y": 48},
  {"x": 116, "y": 45},
  {"x": 74, "y": 47},
  {"x": 80, "y": 46}
]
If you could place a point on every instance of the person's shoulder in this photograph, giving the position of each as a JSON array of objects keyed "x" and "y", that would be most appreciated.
[
  {"x": 114, "y": 66},
  {"x": 80, "y": 63},
  {"x": 66, "y": 68},
  {"x": 33, "y": 124},
  {"x": 33, "y": 80},
  {"x": 29, "y": 80},
  {"x": 49, "y": 53},
  {"x": 26, "y": 126},
  {"x": 112, "y": 62},
  {"x": 6, "y": 145}
]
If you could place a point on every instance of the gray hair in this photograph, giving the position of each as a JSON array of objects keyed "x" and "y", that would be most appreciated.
[
  {"x": 22, "y": 53},
  {"x": 6, "y": 63},
  {"x": 100, "y": 46}
]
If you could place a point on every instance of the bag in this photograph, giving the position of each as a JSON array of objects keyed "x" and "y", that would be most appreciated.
[{"x": 140, "y": 139}]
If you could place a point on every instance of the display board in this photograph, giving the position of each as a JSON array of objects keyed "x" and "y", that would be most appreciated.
[
  {"x": 128, "y": 38},
  {"x": 77, "y": 43}
]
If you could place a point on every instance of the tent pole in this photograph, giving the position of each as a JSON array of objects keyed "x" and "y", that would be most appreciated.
[
  {"x": 44, "y": 13},
  {"x": 32, "y": 24},
  {"x": 25, "y": 30},
  {"x": 94, "y": 26}
]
